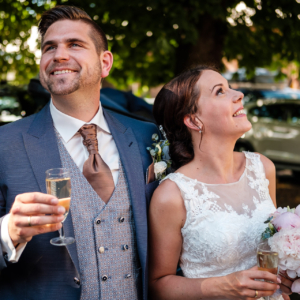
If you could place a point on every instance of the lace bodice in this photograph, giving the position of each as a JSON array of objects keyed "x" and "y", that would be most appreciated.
[{"x": 224, "y": 222}]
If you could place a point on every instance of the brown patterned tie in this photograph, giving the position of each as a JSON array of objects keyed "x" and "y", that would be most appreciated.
[{"x": 95, "y": 170}]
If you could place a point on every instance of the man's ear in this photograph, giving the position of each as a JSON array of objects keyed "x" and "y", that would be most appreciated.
[
  {"x": 192, "y": 122},
  {"x": 106, "y": 58}
]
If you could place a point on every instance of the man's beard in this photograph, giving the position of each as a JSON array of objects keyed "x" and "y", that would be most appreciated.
[{"x": 61, "y": 86}]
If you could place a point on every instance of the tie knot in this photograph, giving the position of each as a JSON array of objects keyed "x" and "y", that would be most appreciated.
[{"x": 89, "y": 134}]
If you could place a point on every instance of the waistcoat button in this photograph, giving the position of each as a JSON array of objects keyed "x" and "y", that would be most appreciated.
[
  {"x": 104, "y": 277},
  {"x": 101, "y": 249},
  {"x": 125, "y": 247},
  {"x": 127, "y": 276},
  {"x": 121, "y": 220},
  {"x": 98, "y": 221},
  {"x": 76, "y": 280}
]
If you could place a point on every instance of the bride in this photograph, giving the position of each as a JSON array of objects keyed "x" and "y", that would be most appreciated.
[{"x": 210, "y": 213}]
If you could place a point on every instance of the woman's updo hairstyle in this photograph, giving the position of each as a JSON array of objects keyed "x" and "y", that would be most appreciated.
[{"x": 175, "y": 100}]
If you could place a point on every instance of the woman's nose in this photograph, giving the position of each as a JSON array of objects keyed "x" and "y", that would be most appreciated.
[{"x": 238, "y": 96}]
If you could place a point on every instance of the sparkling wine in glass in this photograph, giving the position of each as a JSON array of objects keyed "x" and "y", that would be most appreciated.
[
  {"x": 267, "y": 260},
  {"x": 58, "y": 184}
]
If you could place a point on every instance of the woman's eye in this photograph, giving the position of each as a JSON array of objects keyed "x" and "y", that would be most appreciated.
[{"x": 220, "y": 91}]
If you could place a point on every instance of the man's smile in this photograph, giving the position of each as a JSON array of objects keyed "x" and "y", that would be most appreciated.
[{"x": 60, "y": 72}]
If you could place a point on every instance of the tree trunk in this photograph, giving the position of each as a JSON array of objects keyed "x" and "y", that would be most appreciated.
[{"x": 208, "y": 49}]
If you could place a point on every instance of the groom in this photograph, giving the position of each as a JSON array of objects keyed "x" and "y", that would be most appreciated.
[{"x": 107, "y": 158}]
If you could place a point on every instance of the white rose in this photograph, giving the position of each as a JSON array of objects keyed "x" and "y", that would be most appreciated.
[{"x": 160, "y": 167}]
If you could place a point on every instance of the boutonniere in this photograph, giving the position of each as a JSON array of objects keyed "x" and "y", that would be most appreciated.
[{"x": 160, "y": 155}]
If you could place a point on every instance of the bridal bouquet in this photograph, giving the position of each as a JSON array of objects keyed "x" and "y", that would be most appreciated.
[{"x": 283, "y": 234}]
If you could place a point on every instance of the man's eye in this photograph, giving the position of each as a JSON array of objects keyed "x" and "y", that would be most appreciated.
[
  {"x": 49, "y": 48},
  {"x": 74, "y": 45}
]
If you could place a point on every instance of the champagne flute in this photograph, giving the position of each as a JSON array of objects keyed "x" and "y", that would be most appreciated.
[
  {"x": 58, "y": 184},
  {"x": 267, "y": 259}
]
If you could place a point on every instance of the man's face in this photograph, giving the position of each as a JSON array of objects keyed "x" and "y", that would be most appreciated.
[{"x": 69, "y": 58}]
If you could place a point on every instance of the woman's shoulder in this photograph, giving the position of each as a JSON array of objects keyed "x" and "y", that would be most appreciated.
[
  {"x": 258, "y": 160},
  {"x": 268, "y": 165},
  {"x": 166, "y": 191},
  {"x": 167, "y": 196}
]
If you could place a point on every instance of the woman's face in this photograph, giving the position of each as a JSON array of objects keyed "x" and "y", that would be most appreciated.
[{"x": 220, "y": 107}]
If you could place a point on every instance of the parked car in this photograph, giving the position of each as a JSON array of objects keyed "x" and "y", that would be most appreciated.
[
  {"x": 16, "y": 102},
  {"x": 254, "y": 94},
  {"x": 275, "y": 131}
]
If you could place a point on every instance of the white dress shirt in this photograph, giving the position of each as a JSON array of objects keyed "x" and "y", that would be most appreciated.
[{"x": 68, "y": 127}]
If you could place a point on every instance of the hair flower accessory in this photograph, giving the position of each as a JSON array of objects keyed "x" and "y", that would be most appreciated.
[
  {"x": 283, "y": 234},
  {"x": 160, "y": 155}
]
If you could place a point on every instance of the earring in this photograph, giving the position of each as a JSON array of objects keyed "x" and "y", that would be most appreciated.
[{"x": 200, "y": 130}]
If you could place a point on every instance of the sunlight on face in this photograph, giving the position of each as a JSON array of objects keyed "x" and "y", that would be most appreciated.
[
  {"x": 69, "y": 58},
  {"x": 220, "y": 107}
]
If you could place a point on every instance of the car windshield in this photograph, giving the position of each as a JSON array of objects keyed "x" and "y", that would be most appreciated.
[{"x": 9, "y": 108}]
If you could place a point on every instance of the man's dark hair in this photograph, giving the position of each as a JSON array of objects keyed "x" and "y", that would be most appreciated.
[{"x": 65, "y": 12}]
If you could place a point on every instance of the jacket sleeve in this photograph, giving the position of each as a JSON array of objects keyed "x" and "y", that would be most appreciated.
[{"x": 2, "y": 215}]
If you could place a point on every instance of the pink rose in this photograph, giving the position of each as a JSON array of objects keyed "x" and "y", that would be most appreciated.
[
  {"x": 297, "y": 210},
  {"x": 296, "y": 286},
  {"x": 278, "y": 212},
  {"x": 286, "y": 220}
]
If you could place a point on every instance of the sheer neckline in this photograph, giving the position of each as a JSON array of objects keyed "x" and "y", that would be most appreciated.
[{"x": 214, "y": 184}]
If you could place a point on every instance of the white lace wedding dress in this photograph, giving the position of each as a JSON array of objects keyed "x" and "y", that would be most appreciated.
[{"x": 224, "y": 222}]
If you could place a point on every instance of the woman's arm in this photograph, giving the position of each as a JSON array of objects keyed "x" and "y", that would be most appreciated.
[
  {"x": 270, "y": 171},
  {"x": 166, "y": 218}
]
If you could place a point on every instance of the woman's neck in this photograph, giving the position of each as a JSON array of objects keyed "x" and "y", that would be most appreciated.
[{"x": 215, "y": 161}]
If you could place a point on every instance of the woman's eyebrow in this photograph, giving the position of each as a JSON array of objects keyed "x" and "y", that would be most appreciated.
[{"x": 219, "y": 84}]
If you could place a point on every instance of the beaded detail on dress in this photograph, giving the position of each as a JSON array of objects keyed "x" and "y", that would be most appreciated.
[{"x": 224, "y": 222}]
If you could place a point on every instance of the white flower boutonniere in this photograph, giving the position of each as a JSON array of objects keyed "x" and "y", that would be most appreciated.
[{"x": 160, "y": 156}]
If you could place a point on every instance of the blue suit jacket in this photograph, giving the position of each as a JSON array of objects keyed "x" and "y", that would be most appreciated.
[{"x": 27, "y": 149}]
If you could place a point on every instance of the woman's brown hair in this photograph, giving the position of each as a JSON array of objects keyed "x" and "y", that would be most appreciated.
[{"x": 175, "y": 100}]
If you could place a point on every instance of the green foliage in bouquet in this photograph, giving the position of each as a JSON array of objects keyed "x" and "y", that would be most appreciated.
[{"x": 270, "y": 230}]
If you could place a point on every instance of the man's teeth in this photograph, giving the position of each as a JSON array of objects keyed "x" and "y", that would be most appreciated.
[
  {"x": 62, "y": 72},
  {"x": 239, "y": 112}
]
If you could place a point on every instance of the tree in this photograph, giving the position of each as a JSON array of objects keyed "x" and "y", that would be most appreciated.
[
  {"x": 16, "y": 19},
  {"x": 152, "y": 41}
]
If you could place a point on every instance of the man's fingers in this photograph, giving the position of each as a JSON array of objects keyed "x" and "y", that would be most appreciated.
[
  {"x": 285, "y": 281},
  {"x": 285, "y": 297},
  {"x": 36, "y": 230},
  {"x": 36, "y": 209},
  {"x": 286, "y": 290},
  {"x": 37, "y": 197},
  {"x": 28, "y": 221}
]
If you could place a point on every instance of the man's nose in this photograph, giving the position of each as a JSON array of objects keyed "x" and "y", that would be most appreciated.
[{"x": 61, "y": 54}]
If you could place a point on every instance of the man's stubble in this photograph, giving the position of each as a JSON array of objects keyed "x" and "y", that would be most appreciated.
[{"x": 61, "y": 87}]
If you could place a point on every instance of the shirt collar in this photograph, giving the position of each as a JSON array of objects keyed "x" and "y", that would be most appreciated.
[{"x": 68, "y": 126}]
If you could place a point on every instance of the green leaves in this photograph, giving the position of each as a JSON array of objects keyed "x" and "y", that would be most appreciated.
[
  {"x": 155, "y": 40},
  {"x": 270, "y": 230}
]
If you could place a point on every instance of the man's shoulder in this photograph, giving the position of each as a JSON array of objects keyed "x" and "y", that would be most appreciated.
[
  {"x": 17, "y": 127},
  {"x": 139, "y": 127}
]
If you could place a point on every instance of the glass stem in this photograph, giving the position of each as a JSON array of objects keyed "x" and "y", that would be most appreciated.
[{"x": 61, "y": 232}]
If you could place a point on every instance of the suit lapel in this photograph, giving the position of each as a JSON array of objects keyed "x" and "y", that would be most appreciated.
[
  {"x": 42, "y": 150},
  {"x": 131, "y": 159}
]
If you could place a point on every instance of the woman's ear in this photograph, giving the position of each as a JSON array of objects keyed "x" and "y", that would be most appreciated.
[{"x": 192, "y": 123}]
